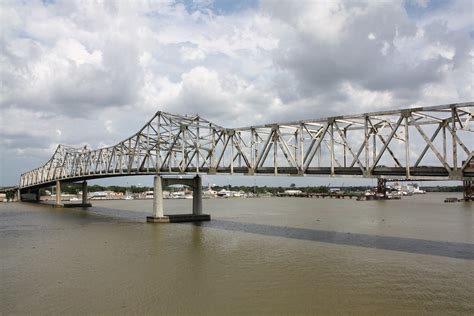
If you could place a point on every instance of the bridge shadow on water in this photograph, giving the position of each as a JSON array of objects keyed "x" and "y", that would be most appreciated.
[{"x": 410, "y": 245}]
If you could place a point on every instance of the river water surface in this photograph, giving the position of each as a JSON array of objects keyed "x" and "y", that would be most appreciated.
[{"x": 256, "y": 256}]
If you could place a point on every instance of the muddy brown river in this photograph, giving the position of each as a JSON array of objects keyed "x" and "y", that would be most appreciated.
[{"x": 257, "y": 256}]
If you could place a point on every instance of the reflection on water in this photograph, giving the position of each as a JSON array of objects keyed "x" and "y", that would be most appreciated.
[
  {"x": 429, "y": 247},
  {"x": 257, "y": 256}
]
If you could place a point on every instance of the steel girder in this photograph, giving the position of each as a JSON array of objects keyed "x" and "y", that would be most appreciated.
[{"x": 406, "y": 143}]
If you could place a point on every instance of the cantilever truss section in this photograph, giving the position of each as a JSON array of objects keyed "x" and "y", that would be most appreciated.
[{"x": 432, "y": 142}]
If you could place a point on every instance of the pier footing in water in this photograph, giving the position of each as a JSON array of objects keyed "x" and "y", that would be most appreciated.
[
  {"x": 161, "y": 219},
  {"x": 179, "y": 218},
  {"x": 76, "y": 205}
]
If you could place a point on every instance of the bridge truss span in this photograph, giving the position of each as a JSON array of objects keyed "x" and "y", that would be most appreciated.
[{"x": 414, "y": 143}]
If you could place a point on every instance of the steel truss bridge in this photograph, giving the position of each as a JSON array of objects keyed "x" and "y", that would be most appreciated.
[{"x": 415, "y": 143}]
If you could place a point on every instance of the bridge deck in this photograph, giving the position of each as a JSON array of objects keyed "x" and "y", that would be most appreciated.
[{"x": 419, "y": 173}]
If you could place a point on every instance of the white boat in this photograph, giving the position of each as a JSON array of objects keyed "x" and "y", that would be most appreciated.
[
  {"x": 128, "y": 195},
  {"x": 98, "y": 195},
  {"x": 369, "y": 193},
  {"x": 149, "y": 195},
  {"x": 417, "y": 190},
  {"x": 224, "y": 193}
]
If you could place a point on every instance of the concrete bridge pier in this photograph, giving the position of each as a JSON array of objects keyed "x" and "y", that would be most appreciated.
[
  {"x": 382, "y": 186},
  {"x": 468, "y": 194},
  {"x": 84, "y": 197},
  {"x": 197, "y": 196},
  {"x": 84, "y": 192},
  {"x": 27, "y": 195},
  {"x": 158, "y": 211},
  {"x": 58, "y": 194}
]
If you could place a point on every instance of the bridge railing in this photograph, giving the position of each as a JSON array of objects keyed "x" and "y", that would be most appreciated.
[{"x": 410, "y": 143}]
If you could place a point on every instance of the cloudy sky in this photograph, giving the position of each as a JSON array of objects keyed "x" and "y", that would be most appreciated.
[{"x": 93, "y": 72}]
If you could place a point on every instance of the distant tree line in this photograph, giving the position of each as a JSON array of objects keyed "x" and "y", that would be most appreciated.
[
  {"x": 457, "y": 188},
  {"x": 75, "y": 188}
]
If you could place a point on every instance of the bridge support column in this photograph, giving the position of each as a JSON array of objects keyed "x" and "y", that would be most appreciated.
[
  {"x": 382, "y": 186},
  {"x": 58, "y": 193},
  {"x": 158, "y": 213},
  {"x": 84, "y": 192},
  {"x": 197, "y": 196},
  {"x": 468, "y": 186},
  {"x": 18, "y": 195}
]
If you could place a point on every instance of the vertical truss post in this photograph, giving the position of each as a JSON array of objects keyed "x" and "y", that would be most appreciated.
[
  {"x": 345, "y": 147},
  {"x": 296, "y": 149},
  {"x": 147, "y": 155},
  {"x": 444, "y": 141},
  {"x": 407, "y": 148},
  {"x": 239, "y": 153},
  {"x": 275, "y": 148},
  {"x": 331, "y": 141},
  {"x": 197, "y": 146},
  {"x": 231, "y": 136},
  {"x": 367, "y": 135},
  {"x": 213, "y": 149},
  {"x": 374, "y": 146},
  {"x": 171, "y": 143},
  {"x": 253, "y": 149},
  {"x": 158, "y": 144},
  {"x": 301, "y": 147},
  {"x": 184, "y": 152},
  {"x": 319, "y": 156},
  {"x": 455, "y": 154}
]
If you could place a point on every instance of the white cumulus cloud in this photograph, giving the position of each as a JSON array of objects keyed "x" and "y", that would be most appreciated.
[{"x": 83, "y": 72}]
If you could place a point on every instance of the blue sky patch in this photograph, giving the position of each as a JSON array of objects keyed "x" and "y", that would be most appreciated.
[{"x": 221, "y": 6}]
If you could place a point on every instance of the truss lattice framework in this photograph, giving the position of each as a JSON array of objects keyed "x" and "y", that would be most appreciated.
[{"x": 413, "y": 143}]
